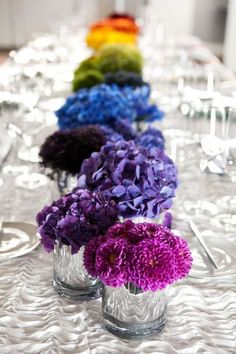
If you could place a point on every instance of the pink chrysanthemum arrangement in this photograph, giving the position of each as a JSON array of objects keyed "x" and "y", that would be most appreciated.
[{"x": 147, "y": 255}]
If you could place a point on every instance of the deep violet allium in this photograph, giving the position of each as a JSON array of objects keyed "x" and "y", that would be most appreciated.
[
  {"x": 147, "y": 255},
  {"x": 75, "y": 219},
  {"x": 66, "y": 150},
  {"x": 142, "y": 182}
]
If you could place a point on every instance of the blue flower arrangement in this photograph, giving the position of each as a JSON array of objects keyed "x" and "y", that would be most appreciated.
[
  {"x": 140, "y": 97},
  {"x": 107, "y": 105},
  {"x": 102, "y": 104}
]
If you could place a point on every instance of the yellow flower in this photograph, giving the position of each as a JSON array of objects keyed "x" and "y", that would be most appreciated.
[{"x": 105, "y": 35}]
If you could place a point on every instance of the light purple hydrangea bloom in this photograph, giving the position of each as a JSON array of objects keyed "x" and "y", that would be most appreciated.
[
  {"x": 75, "y": 219},
  {"x": 142, "y": 182},
  {"x": 147, "y": 255},
  {"x": 151, "y": 138},
  {"x": 120, "y": 130}
]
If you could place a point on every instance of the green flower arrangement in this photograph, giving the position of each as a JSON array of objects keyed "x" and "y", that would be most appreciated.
[
  {"x": 115, "y": 57},
  {"x": 87, "y": 64},
  {"x": 109, "y": 59},
  {"x": 87, "y": 79}
]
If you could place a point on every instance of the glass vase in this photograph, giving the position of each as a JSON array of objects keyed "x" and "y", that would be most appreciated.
[
  {"x": 131, "y": 313},
  {"x": 71, "y": 279},
  {"x": 65, "y": 182}
]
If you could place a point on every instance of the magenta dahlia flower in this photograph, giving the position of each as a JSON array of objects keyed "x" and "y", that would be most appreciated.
[
  {"x": 147, "y": 255},
  {"x": 153, "y": 265},
  {"x": 111, "y": 262}
]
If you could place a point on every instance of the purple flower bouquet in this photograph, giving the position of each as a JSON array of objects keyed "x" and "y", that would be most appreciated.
[
  {"x": 141, "y": 181},
  {"x": 136, "y": 262},
  {"x": 147, "y": 255},
  {"x": 63, "y": 152},
  {"x": 66, "y": 226}
]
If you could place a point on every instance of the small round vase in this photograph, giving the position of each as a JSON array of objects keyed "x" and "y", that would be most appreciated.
[
  {"x": 130, "y": 313},
  {"x": 71, "y": 279}
]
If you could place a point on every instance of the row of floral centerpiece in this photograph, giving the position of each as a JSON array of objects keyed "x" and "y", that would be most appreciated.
[{"x": 122, "y": 173}]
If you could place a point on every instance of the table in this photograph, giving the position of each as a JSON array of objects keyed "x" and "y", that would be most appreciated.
[{"x": 34, "y": 319}]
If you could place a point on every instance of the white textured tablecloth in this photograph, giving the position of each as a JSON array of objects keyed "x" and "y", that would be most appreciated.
[{"x": 35, "y": 319}]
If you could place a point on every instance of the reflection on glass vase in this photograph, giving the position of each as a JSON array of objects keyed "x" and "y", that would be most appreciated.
[
  {"x": 71, "y": 279},
  {"x": 65, "y": 182},
  {"x": 130, "y": 313}
]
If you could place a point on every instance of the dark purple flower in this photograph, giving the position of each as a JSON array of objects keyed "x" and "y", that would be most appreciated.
[
  {"x": 66, "y": 150},
  {"x": 75, "y": 219},
  {"x": 142, "y": 182},
  {"x": 90, "y": 254}
]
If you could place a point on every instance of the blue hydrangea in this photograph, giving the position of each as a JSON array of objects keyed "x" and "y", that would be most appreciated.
[
  {"x": 140, "y": 97},
  {"x": 102, "y": 104},
  {"x": 106, "y": 105}
]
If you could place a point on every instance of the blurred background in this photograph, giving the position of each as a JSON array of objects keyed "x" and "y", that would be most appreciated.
[{"x": 212, "y": 20}]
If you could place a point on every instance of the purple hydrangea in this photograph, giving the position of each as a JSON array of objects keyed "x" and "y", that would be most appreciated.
[
  {"x": 75, "y": 219},
  {"x": 151, "y": 138},
  {"x": 142, "y": 182},
  {"x": 167, "y": 220},
  {"x": 111, "y": 134},
  {"x": 147, "y": 255},
  {"x": 120, "y": 130}
]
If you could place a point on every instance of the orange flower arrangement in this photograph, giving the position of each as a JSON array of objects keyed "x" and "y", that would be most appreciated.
[
  {"x": 114, "y": 29},
  {"x": 118, "y": 24}
]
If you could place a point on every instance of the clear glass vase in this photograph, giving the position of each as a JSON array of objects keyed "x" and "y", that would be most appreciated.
[
  {"x": 65, "y": 182},
  {"x": 71, "y": 279},
  {"x": 130, "y": 313}
]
